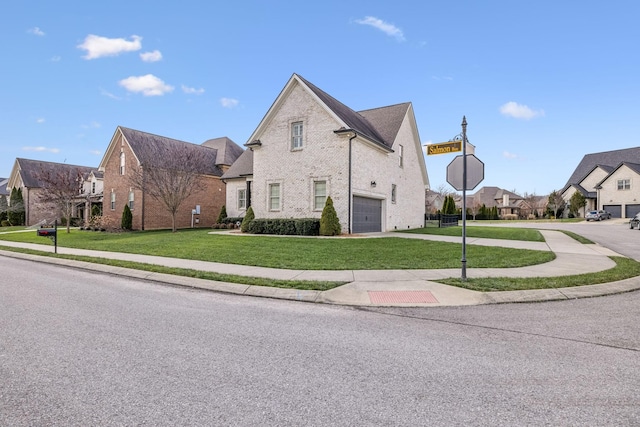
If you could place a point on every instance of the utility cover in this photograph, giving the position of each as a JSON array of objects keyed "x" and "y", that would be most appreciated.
[{"x": 475, "y": 172}]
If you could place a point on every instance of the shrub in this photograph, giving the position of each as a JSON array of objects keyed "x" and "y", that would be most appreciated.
[
  {"x": 5, "y": 223},
  {"x": 247, "y": 220},
  {"x": 329, "y": 222},
  {"x": 223, "y": 215},
  {"x": 127, "y": 219},
  {"x": 285, "y": 226}
]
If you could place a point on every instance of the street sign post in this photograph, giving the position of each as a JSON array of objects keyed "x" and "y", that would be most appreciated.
[
  {"x": 444, "y": 148},
  {"x": 475, "y": 172}
]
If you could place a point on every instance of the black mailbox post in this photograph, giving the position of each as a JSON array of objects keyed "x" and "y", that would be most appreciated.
[{"x": 52, "y": 233}]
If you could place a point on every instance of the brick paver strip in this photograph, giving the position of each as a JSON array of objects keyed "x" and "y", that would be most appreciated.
[{"x": 408, "y": 297}]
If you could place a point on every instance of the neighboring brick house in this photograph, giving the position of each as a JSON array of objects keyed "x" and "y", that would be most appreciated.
[
  {"x": 130, "y": 149},
  {"x": 309, "y": 146},
  {"x": 25, "y": 175},
  {"x": 609, "y": 180},
  {"x": 507, "y": 202},
  {"x": 4, "y": 192}
]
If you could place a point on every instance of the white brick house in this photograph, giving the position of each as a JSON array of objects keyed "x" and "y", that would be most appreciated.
[{"x": 310, "y": 146}]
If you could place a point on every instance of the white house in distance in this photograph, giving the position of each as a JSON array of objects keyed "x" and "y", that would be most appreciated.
[
  {"x": 309, "y": 146},
  {"x": 609, "y": 180}
]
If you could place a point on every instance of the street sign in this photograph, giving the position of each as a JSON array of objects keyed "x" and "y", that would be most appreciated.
[
  {"x": 475, "y": 172},
  {"x": 444, "y": 147}
]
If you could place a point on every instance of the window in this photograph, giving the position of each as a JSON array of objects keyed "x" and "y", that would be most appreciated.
[
  {"x": 624, "y": 184},
  {"x": 296, "y": 136},
  {"x": 242, "y": 198},
  {"x": 93, "y": 187},
  {"x": 131, "y": 196},
  {"x": 319, "y": 194},
  {"x": 401, "y": 153},
  {"x": 274, "y": 197},
  {"x": 393, "y": 193},
  {"x": 113, "y": 201},
  {"x": 121, "y": 163}
]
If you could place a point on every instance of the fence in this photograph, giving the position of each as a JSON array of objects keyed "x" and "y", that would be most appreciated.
[{"x": 440, "y": 220}]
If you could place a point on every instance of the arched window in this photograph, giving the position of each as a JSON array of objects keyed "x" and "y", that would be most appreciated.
[{"x": 122, "y": 163}]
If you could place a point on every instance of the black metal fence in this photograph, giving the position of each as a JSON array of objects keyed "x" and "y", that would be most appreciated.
[{"x": 441, "y": 220}]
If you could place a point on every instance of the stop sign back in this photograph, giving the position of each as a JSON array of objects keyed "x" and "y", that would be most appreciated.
[{"x": 475, "y": 172}]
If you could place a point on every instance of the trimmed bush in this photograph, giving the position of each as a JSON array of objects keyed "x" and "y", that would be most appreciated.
[
  {"x": 127, "y": 218},
  {"x": 247, "y": 220},
  {"x": 223, "y": 215},
  {"x": 285, "y": 226},
  {"x": 329, "y": 222}
]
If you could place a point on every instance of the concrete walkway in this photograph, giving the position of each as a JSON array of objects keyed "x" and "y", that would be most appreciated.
[{"x": 407, "y": 288}]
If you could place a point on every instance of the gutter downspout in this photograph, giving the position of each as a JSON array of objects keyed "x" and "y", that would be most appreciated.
[
  {"x": 353, "y": 135},
  {"x": 143, "y": 187}
]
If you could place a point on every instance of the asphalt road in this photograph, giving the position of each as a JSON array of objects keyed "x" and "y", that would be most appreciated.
[{"x": 79, "y": 348}]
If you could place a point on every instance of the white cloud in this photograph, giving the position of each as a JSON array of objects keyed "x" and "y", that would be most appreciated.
[
  {"x": 36, "y": 31},
  {"x": 229, "y": 102},
  {"x": 95, "y": 152},
  {"x": 509, "y": 155},
  {"x": 192, "y": 90},
  {"x": 388, "y": 29},
  {"x": 41, "y": 149},
  {"x": 92, "y": 125},
  {"x": 518, "y": 111},
  {"x": 40, "y": 120},
  {"x": 98, "y": 47},
  {"x": 148, "y": 85},
  {"x": 109, "y": 95},
  {"x": 154, "y": 56}
]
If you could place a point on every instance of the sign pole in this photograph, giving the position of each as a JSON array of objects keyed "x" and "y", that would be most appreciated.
[
  {"x": 464, "y": 198},
  {"x": 55, "y": 236}
]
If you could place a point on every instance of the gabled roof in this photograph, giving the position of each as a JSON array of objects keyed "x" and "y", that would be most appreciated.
[
  {"x": 228, "y": 151},
  {"x": 633, "y": 166},
  {"x": 605, "y": 159},
  {"x": 242, "y": 167},
  {"x": 30, "y": 169},
  {"x": 3, "y": 187},
  {"x": 145, "y": 146},
  {"x": 379, "y": 126},
  {"x": 488, "y": 195}
]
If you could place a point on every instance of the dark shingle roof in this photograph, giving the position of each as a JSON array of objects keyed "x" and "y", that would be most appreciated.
[
  {"x": 3, "y": 186},
  {"x": 30, "y": 169},
  {"x": 228, "y": 151},
  {"x": 488, "y": 195},
  {"x": 146, "y": 146},
  {"x": 608, "y": 160},
  {"x": 381, "y": 133},
  {"x": 242, "y": 167}
]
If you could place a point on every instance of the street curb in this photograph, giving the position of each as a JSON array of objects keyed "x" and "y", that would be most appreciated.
[{"x": 498, "y": 297}]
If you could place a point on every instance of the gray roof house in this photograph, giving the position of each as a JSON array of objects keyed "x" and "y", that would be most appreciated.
[
  {"x": 310, "y": 146},
  {"x": 609, "y": 180}
]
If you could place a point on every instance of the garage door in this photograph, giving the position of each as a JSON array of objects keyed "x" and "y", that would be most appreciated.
[
  {"x": 631, "y": 210},
  {"x": 367, "y": 215},
  {"x": 614, "y": 210}
]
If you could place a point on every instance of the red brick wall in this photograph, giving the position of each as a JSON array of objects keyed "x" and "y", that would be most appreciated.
[{"x": 156, "y": 216}]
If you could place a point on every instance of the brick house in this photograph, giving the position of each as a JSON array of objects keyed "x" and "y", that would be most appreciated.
[
  {"x": 309, "y": 146},
  {"x": 25, "y": 175},
  {"x": 131, "y": 150},
  {"x": 609, "y": 180}
]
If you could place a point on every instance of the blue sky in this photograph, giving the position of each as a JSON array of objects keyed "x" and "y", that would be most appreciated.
[{"x": 541, "y": 83}]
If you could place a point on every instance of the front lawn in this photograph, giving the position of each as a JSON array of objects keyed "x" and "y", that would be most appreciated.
[
  {"x": 349, "y": 253},
  {"x": 505, "y": 233}
]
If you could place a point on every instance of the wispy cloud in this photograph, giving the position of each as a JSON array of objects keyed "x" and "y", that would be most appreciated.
[
  {"x": 519, "y": 111},
  {"x": 97, "y": 46},
  {"x": 56, "y": 58},
  {"x": 41, "y": 149},
  {"x": 36, "y": 31},
  {"x": 95, "y": 152},
  {"x": 109, "y": 95},
  {"x": 92, "y": 125},
  {"x": 229, "y": 102},
  {"x": 509, "y": 155},
  {"x": 385, "y": 27},
  {"x": 192, "y": 90},
  {"x": 148, "y": 85},
  {"x": 154, "y": 56},
  {"x": 40, "y": 120}
]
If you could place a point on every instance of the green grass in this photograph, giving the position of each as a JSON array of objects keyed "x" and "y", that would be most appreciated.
[
  {"x": 625, "y": 268},
  {"x": 506, "y": 233},
  {"x": 229, "y": 278},
  {"x": 295, "y": 253},
  {"x": 578, "y": 237},
  {"x": 13, "y": 228}
]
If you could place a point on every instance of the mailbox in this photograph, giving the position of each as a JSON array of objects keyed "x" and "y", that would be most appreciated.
[{"x": 47, "y": 232}]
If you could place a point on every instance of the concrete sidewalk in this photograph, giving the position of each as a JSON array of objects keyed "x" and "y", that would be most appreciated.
[{"x": 407, "y": 288}]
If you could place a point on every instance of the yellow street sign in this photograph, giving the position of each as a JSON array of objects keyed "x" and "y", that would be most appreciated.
[{"x": 444, "y": 147}]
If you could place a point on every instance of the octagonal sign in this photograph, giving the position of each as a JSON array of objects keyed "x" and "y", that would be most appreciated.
[{"x": 475, "y": 172}]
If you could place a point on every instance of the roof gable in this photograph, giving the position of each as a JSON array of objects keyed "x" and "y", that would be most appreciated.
[
  {"x": 609, "y": 159},
  {"x": 635, "y": 167},
  {"x": 228, "y": 151},
  {"x": 242, "y": 167},
  {"x": 29, "y": 170}
]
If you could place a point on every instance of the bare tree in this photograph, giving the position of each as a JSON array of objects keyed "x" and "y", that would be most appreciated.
[
  {"x": 531, "y": 202},
  {"x": 172, "y": 173},
  {"x": 62, "y": 185},
  {"x": 556, "y": 203}
]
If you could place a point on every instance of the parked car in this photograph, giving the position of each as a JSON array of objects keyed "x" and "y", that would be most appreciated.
[
  {"x": 635, "y": 222},
  {"x": 598, "y": 215}
]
